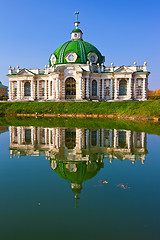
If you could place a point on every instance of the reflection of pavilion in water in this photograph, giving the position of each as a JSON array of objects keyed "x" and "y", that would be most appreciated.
[
  {"x": 77, "y": 144},
  {"x": 77, "y": 154}
]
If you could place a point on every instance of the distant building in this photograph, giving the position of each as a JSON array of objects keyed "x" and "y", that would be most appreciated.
[
  {"x": 76, "y": 71},
  {"x": 3, "y": 90}
]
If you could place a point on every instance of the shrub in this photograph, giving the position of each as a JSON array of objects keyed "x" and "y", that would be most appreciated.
[{"x": 150, "y": 97}]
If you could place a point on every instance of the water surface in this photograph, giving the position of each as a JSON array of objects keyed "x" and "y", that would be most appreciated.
[{"x": 79, "y": 183}]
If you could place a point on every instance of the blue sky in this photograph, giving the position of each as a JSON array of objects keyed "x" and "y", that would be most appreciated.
[{"x": 123, "y": 31}]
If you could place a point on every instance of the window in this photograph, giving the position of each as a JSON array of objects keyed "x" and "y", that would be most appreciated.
[
  {"x": 94, "y": 88},
  {"x": 122, "y": 139},
  {"x": 139, "y": 83},
  {"x": 107, "y": 83},
  {"x": 43, "y": 84},
  {"x": 139, "y": 92},
  {"x": 27, "y": 89},
  {"x": 94, "y": 137},
  {"x": 122, "y": 87},
  {"x": 28, "y": 136},
  {"x": 107, "y": 92}
]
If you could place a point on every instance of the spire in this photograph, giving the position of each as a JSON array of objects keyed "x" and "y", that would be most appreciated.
[
  {"x": 76, "y": 22},
  {"x": 76, "y": 34}
]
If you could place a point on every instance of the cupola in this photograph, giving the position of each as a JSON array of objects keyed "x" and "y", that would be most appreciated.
[{"x": 76, "y": 34}]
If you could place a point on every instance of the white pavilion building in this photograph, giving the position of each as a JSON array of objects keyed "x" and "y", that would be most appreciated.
[{"x": 76, "y": 71}]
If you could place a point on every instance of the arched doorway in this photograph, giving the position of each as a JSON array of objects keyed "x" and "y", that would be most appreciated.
[
  {"x": 70, "y": 88},
  {"x": 27, "y": 89},
  {"x": 122, "y": 87}
]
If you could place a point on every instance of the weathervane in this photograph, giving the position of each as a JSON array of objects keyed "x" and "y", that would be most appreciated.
[{"x": 76, "y": 22}]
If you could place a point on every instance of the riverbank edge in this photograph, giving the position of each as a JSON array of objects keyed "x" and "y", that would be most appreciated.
[
  {"x": 126, "y": 110},
  {"x": 97, "y": 116}
]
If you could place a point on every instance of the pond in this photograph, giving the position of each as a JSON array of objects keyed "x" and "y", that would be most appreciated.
[{"x": 68, "y": 182}]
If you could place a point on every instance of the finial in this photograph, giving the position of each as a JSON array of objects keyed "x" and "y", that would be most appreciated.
[{"x": 76, "y": 22}]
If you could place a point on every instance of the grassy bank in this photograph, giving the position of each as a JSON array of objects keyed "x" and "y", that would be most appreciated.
[{"x": 128, "y": 108}]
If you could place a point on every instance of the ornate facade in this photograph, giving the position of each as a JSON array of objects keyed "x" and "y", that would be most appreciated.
[{"x": 76, "y": 71}]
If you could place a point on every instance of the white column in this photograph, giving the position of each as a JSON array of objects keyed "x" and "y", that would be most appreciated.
[
  {"x": 115, "y": 138},
  {"x": 129, "y": 139},
  {"x": 80, "y": 88},
  {"x": 87, "y": 138},
  {"x": 46, "y": 137},
  {"x": 130, "y": 88},
  {"x": 32, "y": 94},
  {"x": 143, "y": 139},
  {"x": 110, "y": 137},
  {"x": 45, "y": 93},
  {"x": 49, "y": 136},
  {"x": 135, "y": 88},
  {"x": 87, "y": 88},
  {"x": 53, "y": 90},
  {"x": 102, "y": 89},
  {"x": 49, "y": 88},
  {"x": 111, "y": 89},
  {"x": 32, "y": 135},
  {"x": 57, "y": 138},
  {"x": 115, "y": 90},
  {"x": 80, "y": 139},
  {"x": 102, "y": 137},
  {"x": 19, "y": 135},
  {"x": 10, "y": 91},
  {"x": 10, "y": 134},
  {"x": 144, "y": 95},
  {"x": 57, "y": 88},
  {"x": 18, "y": 89},
  {"x": 37, "y": 89}
]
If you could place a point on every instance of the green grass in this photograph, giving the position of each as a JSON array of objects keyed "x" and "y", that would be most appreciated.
[{"x": 125, "y": 108}]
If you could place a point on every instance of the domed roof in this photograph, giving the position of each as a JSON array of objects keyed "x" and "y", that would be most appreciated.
[
  {"x": 76, "y": 50},
  {"x": 82, "y": 50}
]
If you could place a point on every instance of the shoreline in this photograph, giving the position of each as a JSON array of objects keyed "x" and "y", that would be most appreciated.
[
  {"x": 128, "y": 110},
  {"x": 86, "y": 116}
]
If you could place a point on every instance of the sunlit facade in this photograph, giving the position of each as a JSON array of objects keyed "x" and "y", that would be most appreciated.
[{"x": 77, "y": 72}]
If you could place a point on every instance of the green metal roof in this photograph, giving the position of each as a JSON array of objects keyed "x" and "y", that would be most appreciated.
[
  {"x": 76, "y": 30},
  {"x": 80, "y": 47}
]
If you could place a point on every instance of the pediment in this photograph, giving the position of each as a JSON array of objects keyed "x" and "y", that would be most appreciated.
[
  {"x": 124, "y": 69},
  {"x": 25, "y": 72}
]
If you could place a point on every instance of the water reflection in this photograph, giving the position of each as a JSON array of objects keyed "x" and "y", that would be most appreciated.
[
  {"x": 77, "y": 154},
  {"x": 3, "y": 129}
]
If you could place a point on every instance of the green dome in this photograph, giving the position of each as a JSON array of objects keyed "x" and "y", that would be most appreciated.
[{"x": 81, "y": 48}]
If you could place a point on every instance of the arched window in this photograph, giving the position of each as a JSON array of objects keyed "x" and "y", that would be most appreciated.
[
  {"x": 94, "y": 88},
  {"x": 70, "y": 88},
  {"x": 122, "y": 87},
  {"x": 27, "y": 89}
]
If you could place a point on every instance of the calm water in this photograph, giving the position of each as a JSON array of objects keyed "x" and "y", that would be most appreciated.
[{"x": 71, "y": 183}]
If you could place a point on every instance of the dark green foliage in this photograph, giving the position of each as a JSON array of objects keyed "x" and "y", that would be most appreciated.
[{"x": 151, "y": 97}]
